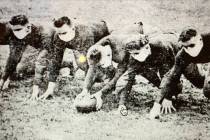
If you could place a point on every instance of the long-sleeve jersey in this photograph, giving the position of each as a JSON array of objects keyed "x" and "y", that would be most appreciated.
[
  {"x": 37, "y": 39},
  {"x": 182, "y": 60},
  {"x": 85, "y": 37}
]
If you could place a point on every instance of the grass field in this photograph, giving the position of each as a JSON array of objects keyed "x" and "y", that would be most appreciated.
[{"x": 56, "y": 119}]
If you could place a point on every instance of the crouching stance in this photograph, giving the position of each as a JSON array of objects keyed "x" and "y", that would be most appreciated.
[
  {"x": 79, "y": 38},
  {"x": 19, "y": 33},
  {"x": 195, "y": 49},
  {"x": 153, "y": 57},
  {"x": 101, "y": 55}
]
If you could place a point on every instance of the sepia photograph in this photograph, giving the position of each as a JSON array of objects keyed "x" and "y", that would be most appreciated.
[{"x": 104, "y": 69}]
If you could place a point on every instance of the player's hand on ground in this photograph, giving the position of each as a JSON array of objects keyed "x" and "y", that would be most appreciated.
[
  {"x": 46, "y": 95},
  {"x": 167, "y": 106},
  {"x": 35, "y": 93},
  {"x": 34, "y": 96},
  {"x": 6, "y": 85},
  {"x": 49, "y": 92},
  {"x": 155, "y": 111},
  {"x": 99, "y": 101}
]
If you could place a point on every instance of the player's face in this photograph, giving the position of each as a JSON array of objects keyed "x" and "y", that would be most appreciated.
[
  {"x": 106, "y": 56},
  {"x": 66, "y": 32},
  {"x": 193, "y": 46},
  {"x": 142, "y": 54},
  {"x": 21, "y": 31}
]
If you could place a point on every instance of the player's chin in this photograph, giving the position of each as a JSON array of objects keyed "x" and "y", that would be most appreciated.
[
  {"x": 141, "y": 59},
  {"x": 193, "y": 54},
  {"x": 106, "y": 65}
]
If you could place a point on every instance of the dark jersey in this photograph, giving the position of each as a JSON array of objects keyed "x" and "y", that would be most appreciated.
[
  {"x": 182, "y": 60},
  {"x": 85, "y": 37},
  {"x": 37, "y": 39}
]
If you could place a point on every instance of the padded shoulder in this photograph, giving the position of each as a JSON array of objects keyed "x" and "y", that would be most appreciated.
[
  {"x": 96, "y": 29},
  {"x": 165, "y": 41}
]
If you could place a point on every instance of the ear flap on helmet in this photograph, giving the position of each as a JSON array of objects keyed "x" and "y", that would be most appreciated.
[
  {"x": 131, "y": 46},
  {"x": 106, "y": 42},
  {"x": 94, "y": 56}
]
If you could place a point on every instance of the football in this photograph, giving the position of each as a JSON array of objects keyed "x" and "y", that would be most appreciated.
[{"x": 85, "y": 104}]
